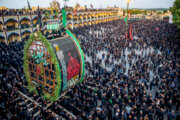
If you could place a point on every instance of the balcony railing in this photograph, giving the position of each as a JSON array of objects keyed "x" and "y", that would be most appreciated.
[
  {"x": 25, "y": 26},
  {"x": 35, "y": 25},
  {"x": 11, "y": 28},
  {"x": 24, "y": 12}
]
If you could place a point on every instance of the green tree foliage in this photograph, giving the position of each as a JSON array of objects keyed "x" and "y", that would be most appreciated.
[
  {"x": 159, "y": 13},
  {"x": 165, "y": 11},
  {"x": 145, "y": 12},
  {"x": 176, "y": 13},
  {"x": 133, "y": 12}
]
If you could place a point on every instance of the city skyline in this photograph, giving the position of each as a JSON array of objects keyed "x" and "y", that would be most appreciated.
[{"x": 96, "y": 4}]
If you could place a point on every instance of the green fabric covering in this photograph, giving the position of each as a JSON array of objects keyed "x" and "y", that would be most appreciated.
[
  {"x": 125, "y": 20},
  {"x": 47, "y": 14},
  {"x": 64, "y": 17},
  {"x": 53, "y": 26}
]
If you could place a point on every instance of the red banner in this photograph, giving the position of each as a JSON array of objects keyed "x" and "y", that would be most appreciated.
[
  {"x": 131, "y": 32},
  {"x": 126, "y": 35}
]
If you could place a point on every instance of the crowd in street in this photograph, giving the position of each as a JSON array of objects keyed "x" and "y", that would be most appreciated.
[
  {"x": 124, "y": 79},
  {"x": 143, "y": 82}
]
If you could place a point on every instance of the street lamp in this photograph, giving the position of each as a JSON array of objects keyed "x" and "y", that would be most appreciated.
[{"x": 128, "y": 1}]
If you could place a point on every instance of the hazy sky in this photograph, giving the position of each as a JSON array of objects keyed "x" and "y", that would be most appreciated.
[{"x": 95, "y": 3}]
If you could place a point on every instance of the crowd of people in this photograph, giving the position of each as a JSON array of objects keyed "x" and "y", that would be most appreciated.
[
  {"x": 130, "y": 79},
  {"x": 9, "y": 12},
  {"x": 13, "y": 87},
  {"x": 13, "y": 12},
  {"x": 124, "y": 79}
]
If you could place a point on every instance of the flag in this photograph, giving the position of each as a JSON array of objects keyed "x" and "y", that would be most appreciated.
[
  {"x": 77, "y": 5},
  {"x": 64, "y": 17},
  {"x": 129, "y": 13},
  {"x": 75, "y": 11},
  {"x": 126, "y": 35},
  {"x": 131, "y": 32},
  {"x": 58, "y": 6},
  {"x": 39, "y": 17},
  {"x": 85, "y": 6},
  {"x": 125, "y": 20},
  {"x": 47, "y": 13},
  {"x": 56, "y": 13},
  {"x": 51, "y": 9},
  {"x": 91, "y": 6},
  {"x": 123, "y": 13},
  {"x": 29, "y": 7}
]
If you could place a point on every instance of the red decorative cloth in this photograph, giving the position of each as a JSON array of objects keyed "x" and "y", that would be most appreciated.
[
  {"x": 131, "y": 32},
  {"x": 75, "y": 11},
  {"x": 157, "y": 29},
  {"x": 126, "y": 35},
  {"x": 73, "y": 68},
  {"x": 38, "y": 70}
]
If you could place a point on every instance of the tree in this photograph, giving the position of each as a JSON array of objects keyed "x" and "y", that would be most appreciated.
[
  {"x": 176, "y": 13},
  {"x": 159, "y": 13},
  {"x": 133, "y": 12},
  {"x": 145, "y": 12},
  {"x": 165, "y": 11}
]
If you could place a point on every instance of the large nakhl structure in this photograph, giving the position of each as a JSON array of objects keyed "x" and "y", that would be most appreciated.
[{"x": 53, "y": 66}]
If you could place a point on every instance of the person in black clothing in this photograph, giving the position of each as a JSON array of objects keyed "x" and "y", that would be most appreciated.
[
  {"x": 171, "y": 115},
  {"x": 108, "y": 87}
]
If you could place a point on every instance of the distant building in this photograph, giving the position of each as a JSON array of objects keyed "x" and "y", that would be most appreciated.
[
  {"x": 112, "y": 8},
  {"x": 79, "y": 7},
  {"x": 3, "y": 8},
  {"x": 55, "y": 5},
  {"x": 35, "y": 8},
  {"x": 19, "y": 27},
  {"x": 120, "y": 12}
]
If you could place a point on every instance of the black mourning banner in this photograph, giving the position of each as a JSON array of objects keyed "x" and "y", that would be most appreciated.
[
  {"x": 69, "y": 59},
  {"x": 66, "y": 45}
]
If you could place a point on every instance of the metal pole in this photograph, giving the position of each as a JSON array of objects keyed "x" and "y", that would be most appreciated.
[
  {"x": 5, "y": 30},
  {"x": 127, "y": 18},
  {"x": 127, "y": 11},
  {"x": 31, "y": 25},
  {"x": 19, "y": 25},
  {"x": 73, "y": 21}
]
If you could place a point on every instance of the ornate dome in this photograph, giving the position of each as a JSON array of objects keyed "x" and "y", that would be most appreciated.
[{"x": 55, "y": 5}]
